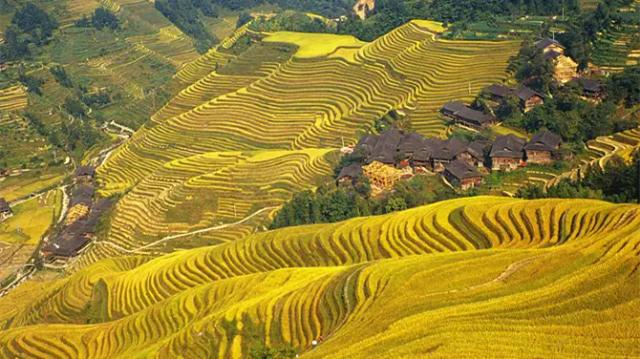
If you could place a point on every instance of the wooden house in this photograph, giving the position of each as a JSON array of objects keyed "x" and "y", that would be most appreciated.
[
  {"x": 565, "y": 68},
  {"x": 462, "y": 114},
  {"x": 476, "y": 150},
  {"x": 5, "y": 210},
  {"x": 507, "y": 153},
  {"x": 446, "y": 152},
  {"x": 499, "y": 92},
  {"x": 528, "y": 98},
  {"x": 590, "y": 88},
  {"x": 460, "y": 173},
  {"x": 350, "y": 173},
  {"x": 386, "y": 147},
  {"x": 85, "y": 173},
  {"x": 542, "y": 148}
]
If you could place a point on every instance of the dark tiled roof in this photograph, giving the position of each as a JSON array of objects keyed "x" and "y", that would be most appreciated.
[
  {"x": 589, "y": 84},
  {"x": 76, "y": 235},
  {"x": 82, "y": 195},
  {"x": 549, "y": 55},
  {"x": 369, "y": 140},
  {"x": 422, "y": 155},
  {"x": 500, "y": 90},
  {"x": 524, "y": 93},
  {"x": 85, "y": 171},
  {"x": 4, "y": 206},
  {"x": 449, "y": 149},
  {"x": 462, "y": 170},
  {"x": 463, "y": 112},
  {"x": 454, "y": 106},
  {"x": 476, "y": 149},
  {"x": 354, "y": 170},
  {"x": 366, "y": 145},
  {"x": 474, "y": 116},
  {"x": 544, "y": 43},
  {"x": 67, "y": 246},
  {"x": 508, "y": 146},
  {"x": 544, "y": 141},
  {"x": 412, "y": 143},
  {"x": 386, "y": 148}
]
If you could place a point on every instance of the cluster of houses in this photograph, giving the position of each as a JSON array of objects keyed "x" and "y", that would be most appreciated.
[
  {"x": 73, "y": 238},
  {"x": 461, "y": 163},
  {"x": 565, "y": 73},
  {"x": 5, "y": 210}
]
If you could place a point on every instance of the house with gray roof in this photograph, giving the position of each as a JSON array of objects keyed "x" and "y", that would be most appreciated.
[
  {"x": 462, "y": 174},
  {"x": 507, "y": 153},
  {"x": 5, "y": 210},
  {"x": 543, "y": 148}
]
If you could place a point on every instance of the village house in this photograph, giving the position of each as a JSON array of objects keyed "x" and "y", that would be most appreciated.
[
  {"x": 447, "y": 152},
  {"x": 499, "y": 92},
  {"x": 461, "y": 174},
  {"x": 476, "y": 150},
  {"x": 85, "y": 173},
  {"x": 393, "y": 156},
  {"x": 66, "y": 247},
  {"x": 421, "y": 159},
  {"x": 410, "y": 144},
  {"x": 565, "y": 68},
  {"x": 507, "y": 153},
  {"x": 386, "y": 147},
  {"x": 5, "y": 210},
  {"x": 462, "y": 114},
  {"x": 527, "y": 97},
  {"x": 350, "y": 173},
  {"x": 590, "y": 88},
  {"x": 74, "y": 238},
  {"x": 542, "y": 148}
]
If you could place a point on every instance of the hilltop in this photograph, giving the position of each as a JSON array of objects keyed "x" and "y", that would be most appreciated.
[{"x": 457, "y": 278}]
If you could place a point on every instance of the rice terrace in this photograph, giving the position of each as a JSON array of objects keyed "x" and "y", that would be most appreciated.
[{"x": 319, "y": 179}]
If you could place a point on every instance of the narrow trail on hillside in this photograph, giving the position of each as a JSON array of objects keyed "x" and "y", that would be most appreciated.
[
  {"x": 182, "y": 235},
  {"x": 502, "y": 277}
]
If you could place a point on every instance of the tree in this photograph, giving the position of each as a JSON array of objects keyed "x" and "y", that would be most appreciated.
[
  {"x": 74, "y": 107},
  {"x": 29, "y": 25},
  {"x": 36, "y": 23},
  {"x": 625, "y": 86},
  {"x": 395, "y": 204},
  {"x": 531, "y": 191},
  {"x": 103, "y": 18},
  {"x": 60, "y": 74},
  {"x": 32, "y": 83}
]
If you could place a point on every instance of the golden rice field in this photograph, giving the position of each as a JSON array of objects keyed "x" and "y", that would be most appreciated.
[
  {"x": 202, "y": 191},
  {"x": 290, "y": 109},
  {"x": 315, "y": 103},
  {"x": 13, "y": 98},
  {"x": 473, "y": 277}
]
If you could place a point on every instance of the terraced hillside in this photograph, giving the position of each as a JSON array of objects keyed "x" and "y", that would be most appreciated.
[
  {"x": 603, "y": 149},
  {"x": 462, "y": 278},
  {"x": 13, "y": 98},
  {"x": 275, "y": 101},
  {"x": 204, "y": 191},
  {"x": 620, "y": 46}
]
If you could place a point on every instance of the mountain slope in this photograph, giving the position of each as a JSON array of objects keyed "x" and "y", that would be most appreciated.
[
  {"x": 269, "y": 99},
  {"x": 458, "y": 278}
]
